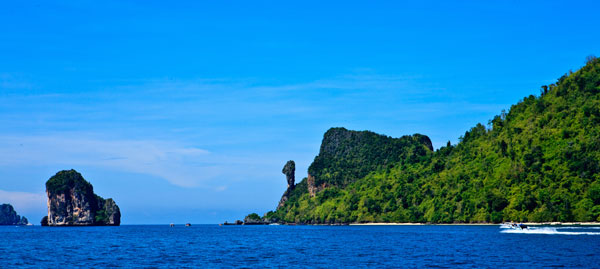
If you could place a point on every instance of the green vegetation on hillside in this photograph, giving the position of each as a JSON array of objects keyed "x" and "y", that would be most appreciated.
[
  {"x": 346, "y": 156},
  {"x": 68, "y": 179},
  {"x": 538, "y": 162}
]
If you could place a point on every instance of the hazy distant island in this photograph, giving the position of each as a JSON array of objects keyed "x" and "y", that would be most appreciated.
[
  {"x": 537, "y": 162},
  {"x": 8, "y": 216},
  {"x": 72, "y": 202}
]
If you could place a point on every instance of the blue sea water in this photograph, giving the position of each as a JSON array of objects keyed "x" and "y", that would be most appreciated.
[{"x": 298, "y": 246}]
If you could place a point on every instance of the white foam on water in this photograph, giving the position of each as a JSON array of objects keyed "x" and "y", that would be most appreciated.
[
  {"x": 581, "y": 227},
  {"x": 548, "y": 230}
]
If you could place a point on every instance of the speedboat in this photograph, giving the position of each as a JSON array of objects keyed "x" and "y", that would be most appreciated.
[{"x": 519, "y": 226}]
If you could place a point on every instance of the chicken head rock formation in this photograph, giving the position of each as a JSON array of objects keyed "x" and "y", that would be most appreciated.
[{"x": 289, "y": 170}]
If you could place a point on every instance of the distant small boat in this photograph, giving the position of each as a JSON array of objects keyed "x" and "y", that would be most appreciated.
[
  {"x": 172, "y": 225},
  {"x": 188, "y": 225}
]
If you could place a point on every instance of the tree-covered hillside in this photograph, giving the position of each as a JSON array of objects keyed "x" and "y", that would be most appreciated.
[
  {"x": 540, "y": 161},
  {"x": 346, "y": 156}
]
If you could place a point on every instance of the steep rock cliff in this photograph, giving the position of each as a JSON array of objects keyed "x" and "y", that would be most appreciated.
[{"x": 72, "y": 202}]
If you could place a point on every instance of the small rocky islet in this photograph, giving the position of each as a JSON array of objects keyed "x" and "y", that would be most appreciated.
[
  {"x": 72, "y": 202},
  {"x": 8, "y": 216}
]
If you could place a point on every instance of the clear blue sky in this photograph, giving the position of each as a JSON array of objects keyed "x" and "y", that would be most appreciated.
[{"x": 186, "y": 111}]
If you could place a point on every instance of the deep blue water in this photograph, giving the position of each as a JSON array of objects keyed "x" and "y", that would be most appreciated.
[{"x": 296, "y": 246}]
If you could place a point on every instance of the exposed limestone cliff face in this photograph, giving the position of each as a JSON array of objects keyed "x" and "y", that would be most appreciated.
[
  {"x": 312, "y": 188},
  {"x": 72, "y": 202},
  {"x": 8, "y": 216},
  {"x": 289, "y": 170},
  {"x": 109, "y": 211}
]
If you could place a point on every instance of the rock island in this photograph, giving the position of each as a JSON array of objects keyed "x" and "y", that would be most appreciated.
[{"x": 72, "y": 202}]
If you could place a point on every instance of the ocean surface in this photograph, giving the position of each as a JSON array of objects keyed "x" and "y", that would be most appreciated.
[{"x": 299, "y": 246}]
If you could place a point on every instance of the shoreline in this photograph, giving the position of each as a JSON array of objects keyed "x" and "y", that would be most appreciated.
[
  {"x": 414, "y": 224},
  {"x": 478, "y": 224}
]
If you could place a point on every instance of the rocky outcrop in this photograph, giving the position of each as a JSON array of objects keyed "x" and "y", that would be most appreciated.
[
  {"x": 8, "y": 216},
  {"x": 346, "y": 156},
  {"x": 254, "y": 219},
  {"x": 237, "y": 222},
  {"x": 289, "y": 170},
  {"x": 310, "y": 182},
  {"x": 72, "y": 202},
  {"x": 110, "y": 211},
  {"x": 312, "y": 187}
]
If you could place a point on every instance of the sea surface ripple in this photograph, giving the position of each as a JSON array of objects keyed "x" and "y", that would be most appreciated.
[{"x": 293, "y": 246}]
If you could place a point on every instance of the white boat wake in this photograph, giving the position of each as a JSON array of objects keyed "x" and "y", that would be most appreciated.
[
  {"x": 581, "y": 227},
  {"x": 550, "y": 230}
]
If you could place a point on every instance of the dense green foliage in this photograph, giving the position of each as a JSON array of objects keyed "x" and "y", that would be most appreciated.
[
  {"x": 65, "y": 180},
  {"x": 538, "y": 162},
  {"x": 346, "y": 156},
  {"x": 253, "y": 216}
]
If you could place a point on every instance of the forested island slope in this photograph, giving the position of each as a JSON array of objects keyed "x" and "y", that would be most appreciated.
[{"x": 540, "y": 161}]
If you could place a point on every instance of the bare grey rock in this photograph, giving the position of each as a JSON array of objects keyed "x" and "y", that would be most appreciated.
[
  {"x": 312, "y": 188},
  {"x": 289, "y": 170}
]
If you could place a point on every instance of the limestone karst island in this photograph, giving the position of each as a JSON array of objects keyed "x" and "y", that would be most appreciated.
[
  {"x": 8, "y": 216},
  {"x": 536, "y": 162},
  {"x": 72, "y": 202}
]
